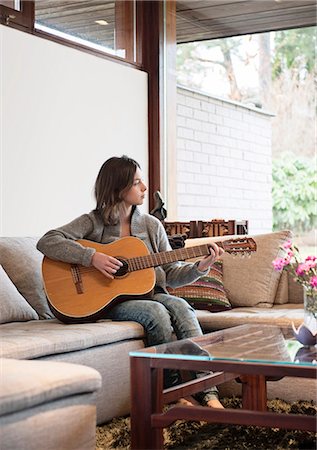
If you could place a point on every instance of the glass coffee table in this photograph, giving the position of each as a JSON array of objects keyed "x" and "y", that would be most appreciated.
[{"x": 253, "y": 354}]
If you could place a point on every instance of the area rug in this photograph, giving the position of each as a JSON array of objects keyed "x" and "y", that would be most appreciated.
[{"x": 184, "y": 435}]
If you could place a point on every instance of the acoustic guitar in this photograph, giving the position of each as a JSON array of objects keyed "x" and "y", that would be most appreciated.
[{"x": 82, "y": 294}]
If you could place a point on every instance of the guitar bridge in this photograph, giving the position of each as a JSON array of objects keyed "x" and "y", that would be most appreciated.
[{"x": 77, "y": 278}]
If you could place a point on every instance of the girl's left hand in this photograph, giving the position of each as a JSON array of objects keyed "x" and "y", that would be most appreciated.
[{"x": 215, "y": 253}]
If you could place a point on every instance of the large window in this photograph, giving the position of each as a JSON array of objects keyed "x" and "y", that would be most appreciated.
[
  {"x": 108, "y": 27},
  {"x": 270, "y": 73},
  {"x": 104, "y": 25}
]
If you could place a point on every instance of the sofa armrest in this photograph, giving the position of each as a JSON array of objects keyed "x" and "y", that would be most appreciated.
[{"x": 47, "y": 402}]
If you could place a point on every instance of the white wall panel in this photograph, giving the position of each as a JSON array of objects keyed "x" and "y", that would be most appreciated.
[{"x": 63, "y": 113}]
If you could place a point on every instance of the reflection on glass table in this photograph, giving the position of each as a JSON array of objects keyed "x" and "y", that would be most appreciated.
[{"x": 250, "y": 343}]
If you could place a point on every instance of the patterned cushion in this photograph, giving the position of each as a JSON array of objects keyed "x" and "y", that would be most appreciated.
[
  {"x": 251, "y": 281},
  {"x": 206, "y": 293}
]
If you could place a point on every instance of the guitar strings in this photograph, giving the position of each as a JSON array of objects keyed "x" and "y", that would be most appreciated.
[{"x": 237, "y": 247}]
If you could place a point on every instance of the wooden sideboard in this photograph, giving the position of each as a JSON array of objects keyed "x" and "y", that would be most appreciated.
[{"x": 205, "y": 228}]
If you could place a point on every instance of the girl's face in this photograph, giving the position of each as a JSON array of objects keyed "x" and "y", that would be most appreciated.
[{"x": 135, "y": 195}]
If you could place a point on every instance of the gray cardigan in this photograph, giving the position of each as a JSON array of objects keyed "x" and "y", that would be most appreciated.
[{"x": 60, "y": 244}]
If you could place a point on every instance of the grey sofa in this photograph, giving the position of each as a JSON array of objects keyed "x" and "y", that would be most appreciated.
[{"x": 29, "y": 332}]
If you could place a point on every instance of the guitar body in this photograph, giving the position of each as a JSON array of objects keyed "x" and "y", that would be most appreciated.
[{"x": 83, "y": 294}]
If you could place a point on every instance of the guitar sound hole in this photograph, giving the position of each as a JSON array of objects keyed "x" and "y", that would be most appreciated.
[{"x": 123, "y": 269}]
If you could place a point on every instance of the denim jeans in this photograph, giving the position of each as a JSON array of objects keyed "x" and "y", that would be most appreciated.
[{"x": 161, "y": 316}]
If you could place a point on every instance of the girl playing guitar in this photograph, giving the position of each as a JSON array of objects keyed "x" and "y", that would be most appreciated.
[{"x": 119, "y": 189}]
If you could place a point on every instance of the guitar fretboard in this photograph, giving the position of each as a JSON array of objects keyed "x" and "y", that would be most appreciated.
[{"x": 158, "y": 259}]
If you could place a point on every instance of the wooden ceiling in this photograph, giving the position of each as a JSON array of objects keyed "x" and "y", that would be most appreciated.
[
  {"x": 201, "y": 20},
  {"x": 195, "y": 19}
]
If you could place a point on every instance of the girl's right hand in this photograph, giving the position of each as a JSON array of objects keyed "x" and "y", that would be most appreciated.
[{"x": 108, "y": 265}]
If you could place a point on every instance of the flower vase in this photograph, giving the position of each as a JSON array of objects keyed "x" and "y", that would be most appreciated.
[
  {"x": 310, "y": 310},
  {"x": 306, "y": 334}
]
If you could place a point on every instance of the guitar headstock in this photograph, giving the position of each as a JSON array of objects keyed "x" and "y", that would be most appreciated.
[{"x": 239, "y": 246}]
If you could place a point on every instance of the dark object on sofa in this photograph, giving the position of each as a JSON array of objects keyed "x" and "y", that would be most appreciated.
[
  {"x": 158, "y": 211},
  {"x": 177, "y": 241}
]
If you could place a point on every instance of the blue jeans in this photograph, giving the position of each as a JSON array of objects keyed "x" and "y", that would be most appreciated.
[{"x": 161, "y": 316}]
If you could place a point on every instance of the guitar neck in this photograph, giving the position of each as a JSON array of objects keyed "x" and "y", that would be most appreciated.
[{"x": 158, "y": 259}]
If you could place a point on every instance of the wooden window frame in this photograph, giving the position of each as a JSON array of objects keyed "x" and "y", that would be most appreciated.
[
  {"x": 18, "y": 19},
  {"x": 156, "y": 30}
]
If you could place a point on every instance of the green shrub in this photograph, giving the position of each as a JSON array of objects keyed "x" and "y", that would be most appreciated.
[{"x": 294, "y": 193}]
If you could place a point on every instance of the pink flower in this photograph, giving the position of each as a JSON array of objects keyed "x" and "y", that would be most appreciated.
[
  {"x": 287, "y": 244},
  {"x": 311, "y": 261},
  {"x": 313, "y": 281},
  {"x": 310, "y": 264},
  {"x": 279, "y": 263},
  {"x": 302, "y": 269}
]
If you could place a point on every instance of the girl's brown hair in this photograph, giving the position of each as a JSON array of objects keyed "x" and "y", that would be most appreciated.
[{"x": 115, "y": 177}]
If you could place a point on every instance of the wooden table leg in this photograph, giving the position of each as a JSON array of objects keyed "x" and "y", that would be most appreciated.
[
  {"x": 254, "y": 392},
  {"x": 146, "y": 399}
]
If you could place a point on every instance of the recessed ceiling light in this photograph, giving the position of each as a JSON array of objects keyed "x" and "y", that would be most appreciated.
[{"x": 101, "y": 22}]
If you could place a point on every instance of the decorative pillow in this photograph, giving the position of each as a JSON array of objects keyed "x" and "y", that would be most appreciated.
[
  {"x": 23, "y": 264},
  {"x": 206, "y": 293},
  {"x": 251, "y": 281},
  {"x": 295, "y": 291},
  {"x": 281, "y": 297},
  {"x": 13, "y": 307}
]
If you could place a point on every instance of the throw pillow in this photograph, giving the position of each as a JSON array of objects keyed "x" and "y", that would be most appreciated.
[
  {"x": 251, "y": 281},
  {"x": 281, "y": 297},
  {"x": 13, "y": 307},
  {"x": 206, "y": 293},
  {"x": 23, "y": 264},
  {"x": 295, "y": 291}
]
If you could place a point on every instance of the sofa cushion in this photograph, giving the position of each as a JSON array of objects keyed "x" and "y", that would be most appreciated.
[
  {"x": 281, "y": 297},
  {"x": 23, "y": 264},
  {"x": 251, "y": 281},
  {"x": 279, "y": 315},
  {"x": 25, "y": 384},
  {"x": 256, "y": 277},
  {"x": 38, "y": 338},
  {"x": 13, "y": 307},
  {"x": 206, "y": 293},
  {"x": 295, "y": 290}
]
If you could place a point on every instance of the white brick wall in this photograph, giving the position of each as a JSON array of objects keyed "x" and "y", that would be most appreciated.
[{"x": 223, "y": 161}]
